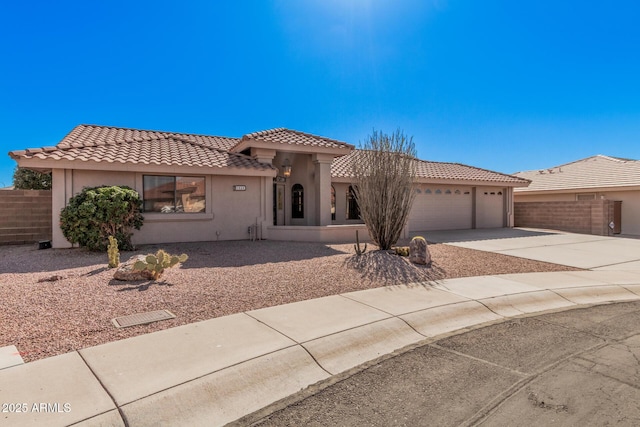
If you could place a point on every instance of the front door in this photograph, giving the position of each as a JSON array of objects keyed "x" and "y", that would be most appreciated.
[{"x": 278, "y": 204}]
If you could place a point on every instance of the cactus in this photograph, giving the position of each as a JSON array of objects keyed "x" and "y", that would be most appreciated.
[
  {"x": 402, "y": 250},
  {"x": 158, "y": 262},
  {"x": 113, "y": 252},
  {"x": 357, "y": 246}
]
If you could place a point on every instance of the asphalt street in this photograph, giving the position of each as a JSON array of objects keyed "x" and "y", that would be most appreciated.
[{"x": 572, "y": 367}]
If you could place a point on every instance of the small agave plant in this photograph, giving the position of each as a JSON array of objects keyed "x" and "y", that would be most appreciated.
[{"x": 156, "y": 264}]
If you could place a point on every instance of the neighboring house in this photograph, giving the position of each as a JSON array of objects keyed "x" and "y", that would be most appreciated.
[
  {"x": 278, "y": 184},
  {"x": 596, "y": 178}
]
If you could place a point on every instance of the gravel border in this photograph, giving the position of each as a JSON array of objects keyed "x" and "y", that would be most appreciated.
[{"x": 59, "y": 300}]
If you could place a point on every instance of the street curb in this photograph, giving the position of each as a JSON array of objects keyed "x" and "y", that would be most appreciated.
[{"x": 218, "y": 393}]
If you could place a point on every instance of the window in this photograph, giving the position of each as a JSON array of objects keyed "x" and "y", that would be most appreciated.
[
  {"x": 297, "y": 201},
  {"x": 581, "y": 197},
  {"x": 170, "y": 194},
  {"x": 333, "y": 203},
  {"x": 353, "y": 210}
]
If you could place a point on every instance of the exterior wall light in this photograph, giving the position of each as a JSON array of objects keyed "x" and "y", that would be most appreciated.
[{"x": 286, "y": 168}]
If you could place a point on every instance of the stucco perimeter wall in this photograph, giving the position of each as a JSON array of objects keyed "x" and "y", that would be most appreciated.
[
  {"x": 228, "y": 213},
  {"x": 326, "y": 234},
  {"x": 25, "y": 216},
  {"x": 587, "y": 217}
]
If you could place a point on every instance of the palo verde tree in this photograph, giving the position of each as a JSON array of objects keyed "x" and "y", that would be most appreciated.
[
  {"x": 96, "y": 213},
  {"x": 385, "y": 171},
  {"x": 26, "y": 179}
]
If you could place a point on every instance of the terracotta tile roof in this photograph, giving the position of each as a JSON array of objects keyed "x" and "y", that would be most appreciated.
[
  {"x": 116, "y": 145},
  {"x": 591, "y": 173},
  {"x": 91, "y": 135},
  {"x": 341, "y": 168},
  {"x": 294, "y": 137}
]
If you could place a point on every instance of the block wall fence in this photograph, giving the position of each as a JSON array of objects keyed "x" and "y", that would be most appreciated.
[
  {"x": 25, "y": 216},
  {"x": 586, "y": 217}
]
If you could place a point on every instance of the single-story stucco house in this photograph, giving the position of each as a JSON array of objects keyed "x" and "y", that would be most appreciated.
[
  {"x": 275, "y": 184},
  {"x": 597, "y": 178}
]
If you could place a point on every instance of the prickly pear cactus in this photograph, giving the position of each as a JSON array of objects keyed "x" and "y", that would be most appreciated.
[{"x": 156, "y": 263}]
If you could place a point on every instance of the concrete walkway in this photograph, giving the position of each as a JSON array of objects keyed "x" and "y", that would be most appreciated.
[{"x": 217, "y": 371}]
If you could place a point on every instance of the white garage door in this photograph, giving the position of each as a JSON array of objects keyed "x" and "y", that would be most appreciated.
[
  {"x": 490, "y": 208},
  {"x": 441, "y": 208}
]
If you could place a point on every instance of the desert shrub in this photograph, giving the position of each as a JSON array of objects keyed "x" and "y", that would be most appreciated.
[
  {"x": 385, "y": 172},
  {"x": 99, "y": 212}
]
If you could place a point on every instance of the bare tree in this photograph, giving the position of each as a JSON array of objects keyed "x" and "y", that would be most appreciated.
[{"x": 385, "y": 173}]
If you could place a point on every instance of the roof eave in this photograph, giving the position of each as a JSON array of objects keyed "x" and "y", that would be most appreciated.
[
  {"x": 49, "y": 164},
  {"x": 600, "y": 189},
  {"x": 445, "y": 181}
]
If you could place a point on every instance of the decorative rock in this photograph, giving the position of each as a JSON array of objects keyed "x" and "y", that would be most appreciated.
[
  {"x": 126, "y": 272},
  {"x": 418, "y": 251},
  {"x": 53, "y": 278}
]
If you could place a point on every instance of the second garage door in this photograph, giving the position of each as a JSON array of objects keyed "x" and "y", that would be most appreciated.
[{"x": 441, "y": 208}]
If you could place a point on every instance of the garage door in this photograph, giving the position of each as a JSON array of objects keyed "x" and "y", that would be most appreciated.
[
  {"x": 490, "y": 208},
  {"x": 441, "y": 208}
]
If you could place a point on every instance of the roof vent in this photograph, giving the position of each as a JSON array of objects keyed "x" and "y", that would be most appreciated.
[{"x": 550, "y": 170}]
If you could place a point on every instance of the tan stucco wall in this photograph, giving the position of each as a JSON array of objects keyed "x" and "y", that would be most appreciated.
[
  {"x": 331, "y": 233},
  {"x": 228, "y": 213},
  {"x": 630, "y": 209},
  {"x": 630, "y": 204}
]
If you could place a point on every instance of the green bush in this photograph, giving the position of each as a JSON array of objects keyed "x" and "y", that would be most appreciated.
[
  {"x": 99, "y": 212},
  {"x": 25, "y": 179}
]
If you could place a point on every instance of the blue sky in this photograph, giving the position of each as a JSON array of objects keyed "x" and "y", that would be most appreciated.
[{"x": 502, "y": 85}]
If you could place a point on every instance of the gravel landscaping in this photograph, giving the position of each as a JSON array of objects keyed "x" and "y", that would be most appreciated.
[{"x": 58, "y": 300}]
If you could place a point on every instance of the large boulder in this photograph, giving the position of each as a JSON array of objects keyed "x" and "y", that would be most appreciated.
[
  {"x": 418, "y": 251},
  {"x": 126, "y": 272}
]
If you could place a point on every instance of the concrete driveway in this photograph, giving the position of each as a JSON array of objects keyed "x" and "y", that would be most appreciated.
[{"x": 575, "y": 250}]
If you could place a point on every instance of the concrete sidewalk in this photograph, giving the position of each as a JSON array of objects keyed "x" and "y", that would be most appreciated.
[{"x": 219, "y": 370}]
